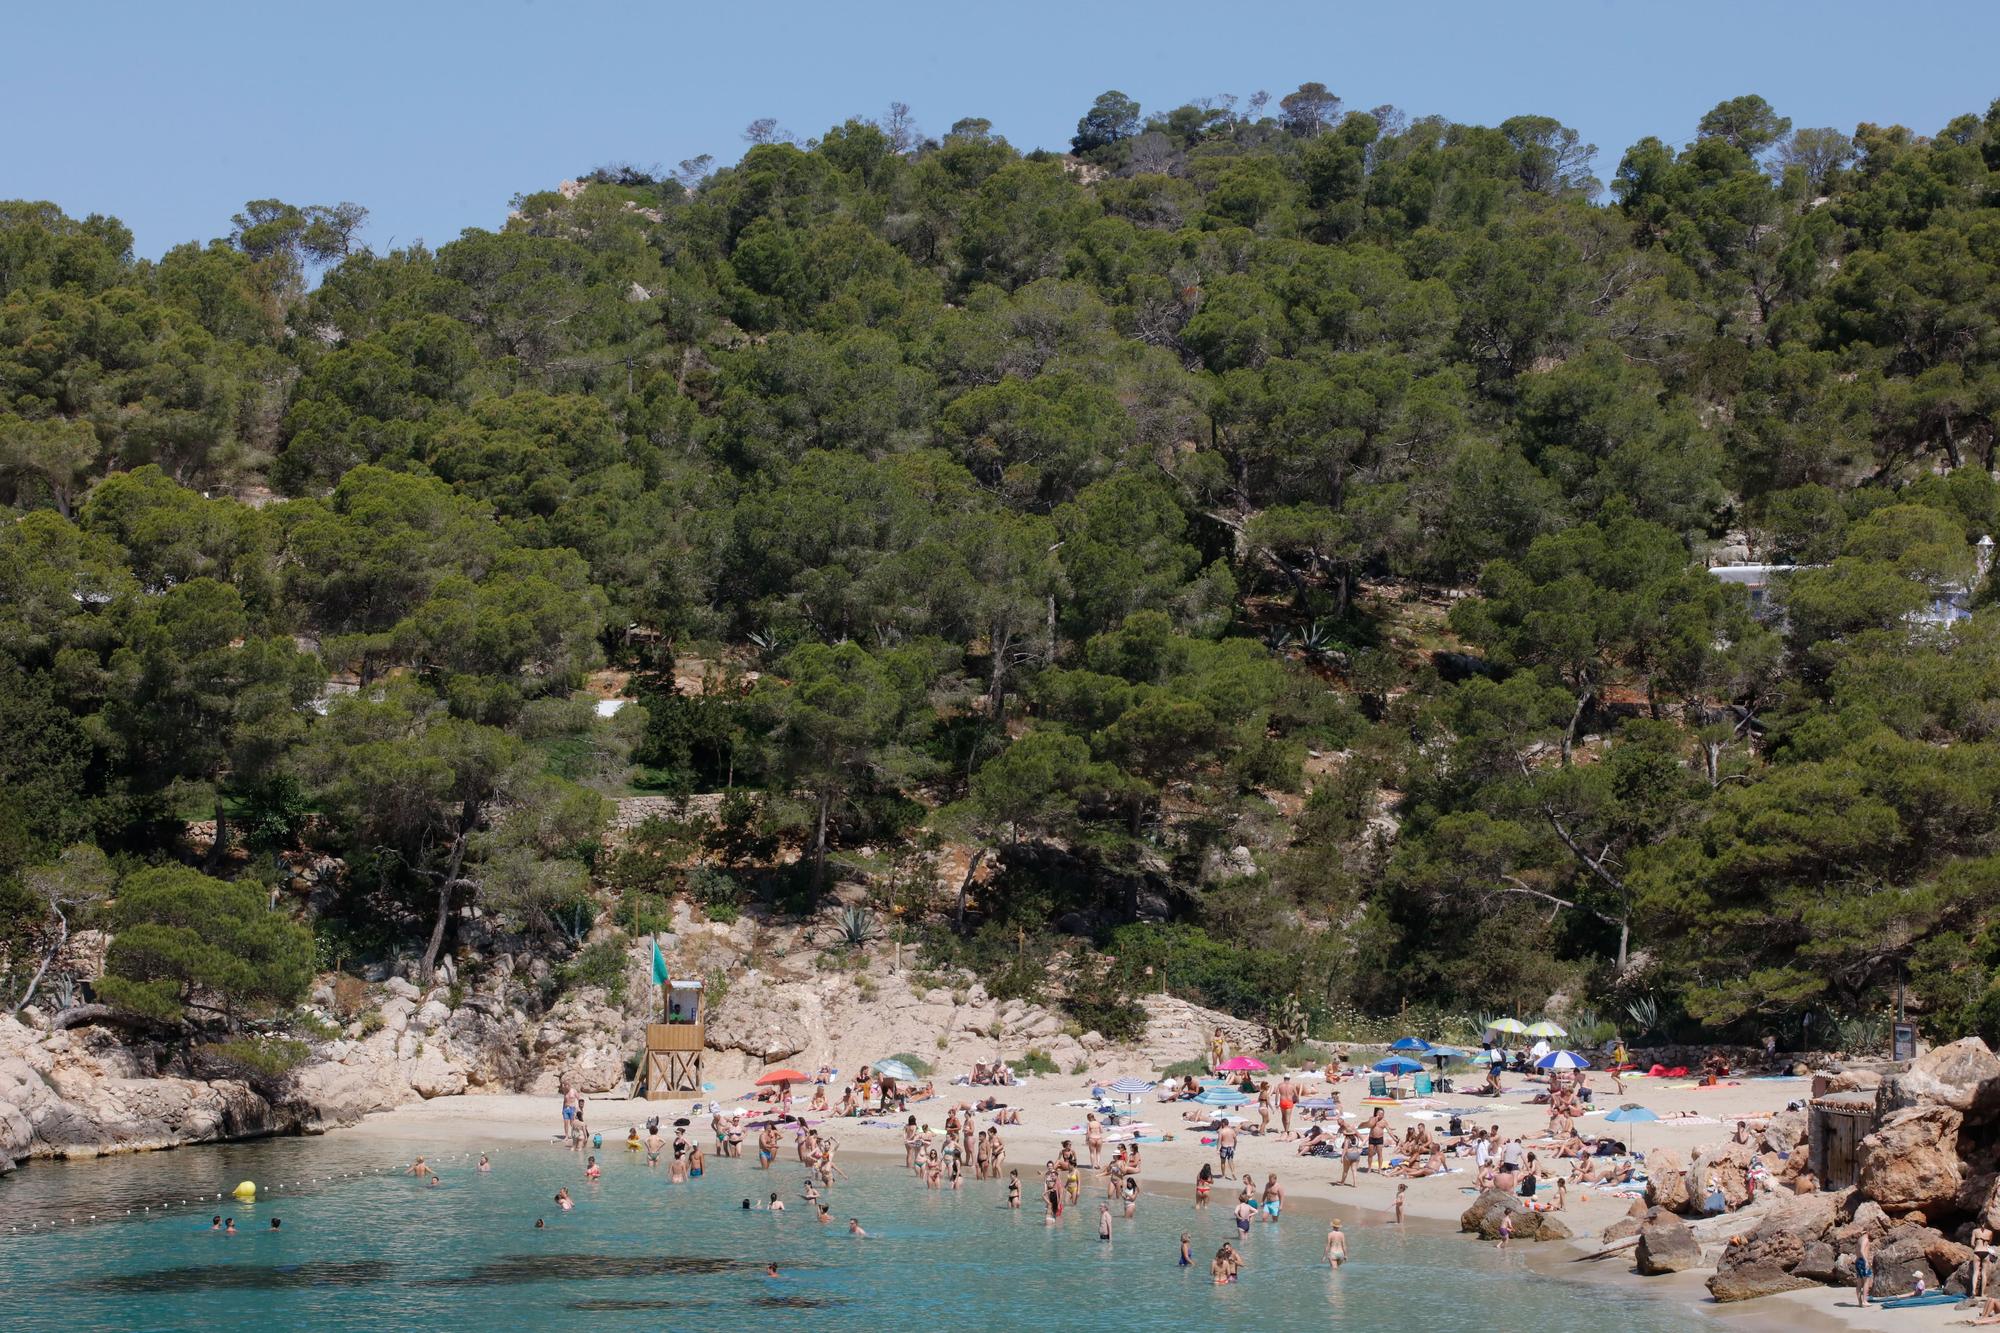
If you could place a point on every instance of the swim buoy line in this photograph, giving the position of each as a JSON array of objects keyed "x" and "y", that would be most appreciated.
[{"x": 245, "y": 1192}]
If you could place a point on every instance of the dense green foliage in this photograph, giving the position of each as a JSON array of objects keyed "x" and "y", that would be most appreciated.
[{"x": 1093, "y": 512}]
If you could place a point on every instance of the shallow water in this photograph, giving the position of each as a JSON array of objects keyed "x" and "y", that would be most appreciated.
[{"x": 362, "y": 1248}]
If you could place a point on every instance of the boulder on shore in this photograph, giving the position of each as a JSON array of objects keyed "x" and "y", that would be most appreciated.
[
  {"x": 1483, "y": 1219},
  {"x": 1667, "y": 1245},
  {"x": 1666, "y": 1180},
  {"x": 1911, "y": 1160},
  {"x": 1749, "y": 1281},
  {"x": 1949, "y": 1076}
]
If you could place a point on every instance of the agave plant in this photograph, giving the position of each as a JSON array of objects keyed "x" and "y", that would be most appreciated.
[
  {"x": 1645, "y": 1015},
  {"x": 858, "y": 926}
]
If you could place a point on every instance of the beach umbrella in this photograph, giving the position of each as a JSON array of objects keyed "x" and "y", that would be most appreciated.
[
  {"x": 1540, "y": 1049},
  {"x": 1545, "y": 1028},
  {"x": 780, "y": 1076},
  {"x": 1222, "y": 1097},
  {"x": 894, "y": 1069},
  {"x": 1448, "y": 1052},
  {"x": 1409, "y": 1044},
  {"x": 1319, "y": 1104},
  {"x": 1397, "y": 1064},
  {"x": 1631, "y": 1114},
  {"x": 1243, "y": 1063},
  {"x": 1130, "y": 1087},
  {"x": 1506, "y": 1025},
  {"x": 1562, "y": 1060}
]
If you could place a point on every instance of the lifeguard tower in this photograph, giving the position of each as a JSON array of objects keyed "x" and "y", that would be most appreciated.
[{"x": 674, "y": 1048}]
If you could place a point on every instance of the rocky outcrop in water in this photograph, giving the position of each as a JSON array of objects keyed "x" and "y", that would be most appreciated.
[{"x": 1483, "y": 1219}]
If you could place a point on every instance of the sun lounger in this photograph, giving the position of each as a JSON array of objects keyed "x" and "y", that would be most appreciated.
[{"x": 1378, "y": 1087}]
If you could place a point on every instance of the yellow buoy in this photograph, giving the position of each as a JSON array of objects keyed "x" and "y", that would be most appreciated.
[{"x": 246, "y": 1191}]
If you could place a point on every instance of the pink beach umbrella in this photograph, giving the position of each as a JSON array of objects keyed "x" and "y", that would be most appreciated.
[{"x": 1243, "y": 1063}]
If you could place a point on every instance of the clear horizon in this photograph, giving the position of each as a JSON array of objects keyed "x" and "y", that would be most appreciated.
[{"x": 433, "y": 117}]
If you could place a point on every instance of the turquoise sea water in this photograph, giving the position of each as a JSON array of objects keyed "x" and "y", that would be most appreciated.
[{"x": 365, "y": 1249}]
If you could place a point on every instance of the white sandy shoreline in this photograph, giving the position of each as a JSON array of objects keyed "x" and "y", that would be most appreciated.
[{"x": 477, "y": 1121}]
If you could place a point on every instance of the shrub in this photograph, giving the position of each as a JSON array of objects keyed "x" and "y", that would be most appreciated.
[
  {"x": 920, "y": 1066},
  {"x": 1036, "y": 1061},
  {"x": 257, "y": 1058},
  {"x": 1185, "y": 1069},
  {"x": 600, "y": 964},
  {"x": 640, "y": 913},
  {"x": 1300, "y": 1054}
]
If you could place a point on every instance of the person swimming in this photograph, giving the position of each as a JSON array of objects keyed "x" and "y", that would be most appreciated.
[
  {"x": 854, "y": 1227},
  {"x": 539, "y": 1224},
  {"x": 229, "y": 1227},
  {"x": 275, "y": 1223},
  {"x": 591, "y": 1170},
  {"x": 563, "y": 1200},
  {"x": 484, "y": 1164}
]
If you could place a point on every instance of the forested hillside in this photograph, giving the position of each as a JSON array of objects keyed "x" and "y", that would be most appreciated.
[{"x": 1267, "y": 540}]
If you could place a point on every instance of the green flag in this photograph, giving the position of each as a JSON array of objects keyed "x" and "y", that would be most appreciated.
[{"x": 659, "y": 966}]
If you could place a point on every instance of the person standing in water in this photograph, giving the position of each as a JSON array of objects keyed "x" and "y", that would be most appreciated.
[
  {"x": 1104, "y": 1221},
  {"x": 1186, "y": 1259},
  {"x": 1336, "y": 1244}
]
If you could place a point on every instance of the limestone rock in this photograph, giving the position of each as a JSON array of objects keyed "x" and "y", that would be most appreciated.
[
  {"x": 1786, "y": 1131},
  {"x": 1819, "y": 1263},
  {"x": 1666, "y": 1181},
  {"x": 1622, "y": 1229},
  {"x": 1911, "y": 1160},
  {"x": 1751, "y": 1281},
  {"x": 1854, "y": 1080},
  {"x": 1949, "y": 1075},
  {"x": 767, "y": 1022},
  {"x": 1667, "y": 1245},
  {"x": 1483, "y": 1219},
  {"x": 432, "y": 1015},
  {"x": 402, "y": 988},
  {"x": 435, "y": 1076},
  {"x": 396, "y": 1014}
]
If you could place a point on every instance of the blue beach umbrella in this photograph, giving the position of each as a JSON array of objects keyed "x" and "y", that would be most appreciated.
[
  {"x": 1631, "y": 1115},
  {"x": 1130, "y": 1087},
  {"x": 1562, "y": 1060},
  {"x": 1222, "y": 1097},
  {"x": 894, "y": 1069},
  {"x": 1319, "y": 1104},
  {"x": 1397, "y": 1064},
  {"x": 1409, "y": 1044}
]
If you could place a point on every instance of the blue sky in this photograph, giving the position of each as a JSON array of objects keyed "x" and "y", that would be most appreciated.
[{"x": 434, "y": 113}]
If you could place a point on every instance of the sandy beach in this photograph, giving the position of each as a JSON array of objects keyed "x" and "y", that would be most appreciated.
[{"x": 478, "y": 1122}]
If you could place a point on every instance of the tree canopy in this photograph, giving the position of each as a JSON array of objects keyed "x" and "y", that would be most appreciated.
[{"x": 1269, "y": 531}]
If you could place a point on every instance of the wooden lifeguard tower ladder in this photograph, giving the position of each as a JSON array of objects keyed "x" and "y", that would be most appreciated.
[{"x": 672, "y": 1063}]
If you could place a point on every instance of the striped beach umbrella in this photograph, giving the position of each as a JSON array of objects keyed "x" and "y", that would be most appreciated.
[{"x": 1562, "y": 1060}]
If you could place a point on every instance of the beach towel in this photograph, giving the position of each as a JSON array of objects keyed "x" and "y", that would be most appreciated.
[{"x": 1913, "y": 1302}]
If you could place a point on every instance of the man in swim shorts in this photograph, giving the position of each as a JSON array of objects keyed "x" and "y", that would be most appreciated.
[{"x": 1225, "y": 1146}]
